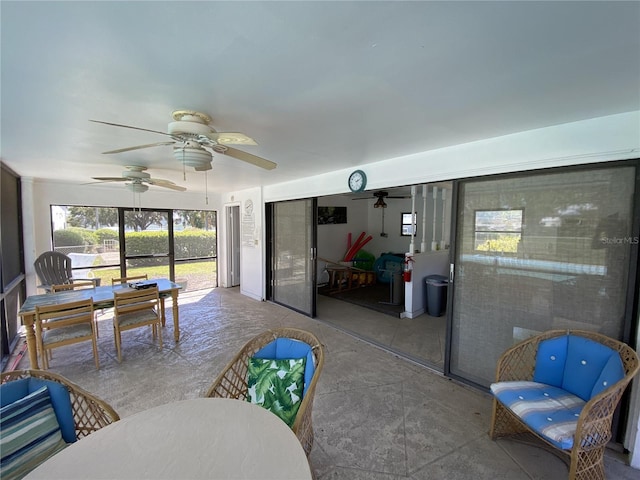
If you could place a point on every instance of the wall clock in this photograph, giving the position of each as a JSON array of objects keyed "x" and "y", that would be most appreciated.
[
  {"x": 357, "y": 181},
  {"x": 248, "y": 207}
]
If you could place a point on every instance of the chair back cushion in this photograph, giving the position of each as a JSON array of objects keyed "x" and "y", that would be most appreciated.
[
  {"x": 578, "y": 365},
  {"x": 286, "y": 348},
  {"x": 30, "y": 434},
  {"x": 12, "y": 391},
  {"x": 277, "y": 385}
]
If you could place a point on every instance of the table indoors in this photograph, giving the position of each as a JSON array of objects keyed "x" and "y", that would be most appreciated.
[
  {"x": 103, "y": 297},
  {"x": 201, "y": 438}
]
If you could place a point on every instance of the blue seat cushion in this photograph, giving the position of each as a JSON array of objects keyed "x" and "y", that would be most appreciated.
[
  {"x": 550, "y": 411},
  {"x": 60, "y": 399},
  {"x": 285, "y": 348}
]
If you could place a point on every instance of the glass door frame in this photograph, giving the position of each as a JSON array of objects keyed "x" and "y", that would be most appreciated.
[
  {"x": 311, "y": 258},
  {"x": 632, "y": 299}
]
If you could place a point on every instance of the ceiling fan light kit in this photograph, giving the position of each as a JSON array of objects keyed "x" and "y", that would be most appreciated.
[
  {"x": 138, "y": 180},
  {"x": 192, "y": 137},
  {"x": 380, "y": 203},
  {"x": 193, "y": 156}
]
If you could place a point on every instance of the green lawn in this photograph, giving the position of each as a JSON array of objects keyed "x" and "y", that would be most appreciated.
[{"x": 183, "y": 270}]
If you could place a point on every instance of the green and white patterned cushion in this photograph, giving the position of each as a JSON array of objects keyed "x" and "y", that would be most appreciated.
[
  {"x": 30, "y": 434},
  {"x": 277, "y": 385}
]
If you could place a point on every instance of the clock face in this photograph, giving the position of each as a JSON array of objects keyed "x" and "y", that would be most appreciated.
[
  {"x": 248, "y": 207},
  {"x": 357, "y": 181}
]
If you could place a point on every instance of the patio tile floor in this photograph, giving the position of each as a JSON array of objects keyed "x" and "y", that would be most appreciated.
[{"x": 376, "y": 416}]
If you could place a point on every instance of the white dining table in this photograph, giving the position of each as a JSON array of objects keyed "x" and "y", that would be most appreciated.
[{"x": 202, "y": 438}]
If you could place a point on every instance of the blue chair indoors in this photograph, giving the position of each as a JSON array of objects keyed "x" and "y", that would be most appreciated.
[
  {"x": 278, "y": 369},
  {"x": 562, "y": 387},
  {"x": 40, "y": 414}
]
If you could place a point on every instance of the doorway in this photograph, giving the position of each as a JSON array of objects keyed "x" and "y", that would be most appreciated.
[{"x": 233, "y": 245}]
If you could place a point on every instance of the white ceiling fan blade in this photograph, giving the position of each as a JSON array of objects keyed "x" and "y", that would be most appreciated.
[
  {"x": 231, "y": 138},
  {"x": 111, "y": 179},
  {"x": 165, "y": 183},
  {"x": 248, "y": 157},
  {"x": 138, "y": 147},
  {"x": 129, "y": 126}
]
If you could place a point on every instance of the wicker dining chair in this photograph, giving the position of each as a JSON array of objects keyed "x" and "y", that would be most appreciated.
[
  {"x": 232, "y": 381},
  {"x": 90, "y": 413},
  {"x": 593, "y": 431}
]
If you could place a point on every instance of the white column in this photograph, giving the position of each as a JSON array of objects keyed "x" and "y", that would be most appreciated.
[
  {"x": 434, "y": 244},
  {"x": 444, "y": 218},
  {"x": 412, "y": 247},
  {"x": 423, "y": 244}
]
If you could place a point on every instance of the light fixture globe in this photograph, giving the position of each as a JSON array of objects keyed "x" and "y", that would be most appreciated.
[
  {"x": 137, "y": 187},
  {"x": 193, "y": 156}
]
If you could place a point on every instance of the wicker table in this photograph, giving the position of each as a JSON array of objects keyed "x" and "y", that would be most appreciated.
[{"x": 202, "y": 438}]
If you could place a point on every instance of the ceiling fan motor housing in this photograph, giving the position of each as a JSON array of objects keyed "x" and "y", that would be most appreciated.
[{"x": 189, "y": 128}]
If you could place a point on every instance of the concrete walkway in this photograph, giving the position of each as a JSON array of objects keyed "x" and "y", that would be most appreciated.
[{"x": 376, "y": 416}]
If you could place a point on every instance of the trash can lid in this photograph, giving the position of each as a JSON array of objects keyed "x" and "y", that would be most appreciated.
[{"x": 439, "y": 280}]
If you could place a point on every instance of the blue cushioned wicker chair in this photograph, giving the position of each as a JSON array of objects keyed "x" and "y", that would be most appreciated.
[
  {"x": 279, "y": 343},
  {"x": 72, "y": 413},
  {"x": 562, "y": 387}
]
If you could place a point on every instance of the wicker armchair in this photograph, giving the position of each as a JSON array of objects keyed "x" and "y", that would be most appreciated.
[
  {"x": 89, "y": 412},
  {"x": 232, "y": 382},
  {"x": 593, "y": 431}
]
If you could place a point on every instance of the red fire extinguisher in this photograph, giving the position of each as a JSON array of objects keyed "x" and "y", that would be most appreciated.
[{"x": 406, "y": 274}]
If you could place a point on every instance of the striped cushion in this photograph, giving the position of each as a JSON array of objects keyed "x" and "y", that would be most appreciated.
[
  {"x": 550, "y": 411},
  {"x": 30, "y": 434}
]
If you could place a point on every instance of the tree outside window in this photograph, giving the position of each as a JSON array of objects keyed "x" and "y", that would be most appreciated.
[{"x": 498, "y": 230}]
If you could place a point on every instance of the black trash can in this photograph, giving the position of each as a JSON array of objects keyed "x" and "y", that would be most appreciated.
[{"x": 436, "y": 290}]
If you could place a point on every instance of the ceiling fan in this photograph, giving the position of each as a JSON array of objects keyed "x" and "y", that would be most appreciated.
[
  {"x": 193, "y": 141},
  {"x": 380, "y": 195},
  {"x": 138, "y": 181}
]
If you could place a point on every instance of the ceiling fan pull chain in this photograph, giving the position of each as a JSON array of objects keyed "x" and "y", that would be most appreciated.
[
  {"x": 184, "y": 168},
  {"x": 206, "y": 190}
]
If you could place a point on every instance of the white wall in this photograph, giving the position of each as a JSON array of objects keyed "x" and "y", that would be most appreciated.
[{"x": 252, "y": 245}]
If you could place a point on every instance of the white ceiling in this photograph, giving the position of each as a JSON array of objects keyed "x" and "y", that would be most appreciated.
[{"x": 321, "y": 86}]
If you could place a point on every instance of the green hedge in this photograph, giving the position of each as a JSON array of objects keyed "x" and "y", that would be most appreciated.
[
  {"x": 188, "y": 243},
  {"x": 103, "y": 234},
  {"x": 75, "y": 237}
]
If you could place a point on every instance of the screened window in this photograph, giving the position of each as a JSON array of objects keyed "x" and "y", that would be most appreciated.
[
  {"x": 408, "y": 226},
  {"x": 109, "y": 242},
  {"x": 498, "y": 230}
]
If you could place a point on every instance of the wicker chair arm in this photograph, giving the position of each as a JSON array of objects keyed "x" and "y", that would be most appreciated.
[
  {"x": 90, "y": 413},
  {"x": 594, "y": 424}
]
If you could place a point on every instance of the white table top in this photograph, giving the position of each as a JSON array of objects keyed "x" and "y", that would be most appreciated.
[{"x": 208, "y": 438}]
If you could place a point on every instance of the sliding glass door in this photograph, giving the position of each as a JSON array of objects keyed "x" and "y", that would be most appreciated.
[
  {"x": 292, "y": 255},
  {"x": 540, "y": 251}
]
